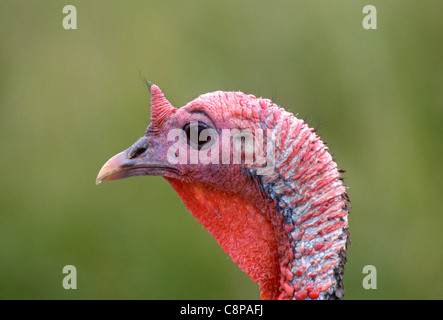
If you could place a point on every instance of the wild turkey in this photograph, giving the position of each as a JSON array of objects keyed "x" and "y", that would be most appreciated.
[{"x": 281, "y": 216}]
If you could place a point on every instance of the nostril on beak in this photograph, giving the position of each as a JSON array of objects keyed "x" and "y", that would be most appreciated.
[
  {"x": 138, "y": 148},
  {"x": 135, "y": 152}
]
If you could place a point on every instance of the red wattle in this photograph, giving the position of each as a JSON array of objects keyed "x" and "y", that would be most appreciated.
[{"x": 240, "y": 229}]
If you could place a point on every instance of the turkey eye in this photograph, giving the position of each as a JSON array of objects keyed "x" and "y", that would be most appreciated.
[{"x": 193, "y": 131}]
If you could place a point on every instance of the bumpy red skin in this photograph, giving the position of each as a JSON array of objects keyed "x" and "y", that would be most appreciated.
[{"x": 288, "y": 229}]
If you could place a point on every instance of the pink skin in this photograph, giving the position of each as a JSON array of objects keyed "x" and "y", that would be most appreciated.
[{"x": 153, "y": 160}]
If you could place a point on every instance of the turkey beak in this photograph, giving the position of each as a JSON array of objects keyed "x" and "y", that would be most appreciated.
[
  {"x": 114, "y": 168},
  {"x": 139, "y": 160}
]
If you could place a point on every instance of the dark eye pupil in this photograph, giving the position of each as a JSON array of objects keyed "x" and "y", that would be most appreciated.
[{"x": 193, "y": 131}]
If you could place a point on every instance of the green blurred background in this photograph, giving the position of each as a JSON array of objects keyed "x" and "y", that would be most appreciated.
[{"x": 70, "y": 99}]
